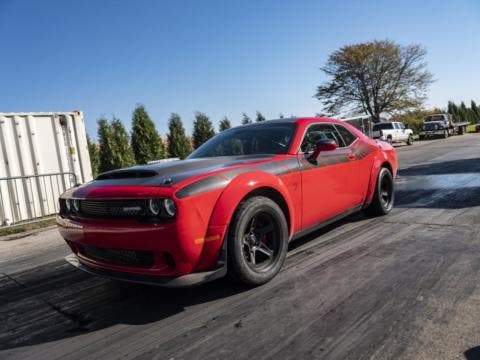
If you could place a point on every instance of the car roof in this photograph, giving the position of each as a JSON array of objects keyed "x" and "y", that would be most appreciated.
[{"x": 297, "y": 120}]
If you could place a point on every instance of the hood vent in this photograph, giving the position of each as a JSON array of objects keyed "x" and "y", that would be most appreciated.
[{"x": 127, "y": 174}]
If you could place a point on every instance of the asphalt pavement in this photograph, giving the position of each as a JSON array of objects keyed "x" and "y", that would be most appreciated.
[{"x": 402, "y": 286}]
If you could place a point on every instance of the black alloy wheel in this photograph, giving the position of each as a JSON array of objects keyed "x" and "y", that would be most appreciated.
[
  {"x": 261, "y": 241},
  {"x": 386, "y": 192},
  {"x": 384, "y": 195},
  {"x": 257, "y": 241}
]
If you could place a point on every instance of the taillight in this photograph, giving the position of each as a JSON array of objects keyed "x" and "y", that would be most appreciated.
[{"x": 381, "y": 132}]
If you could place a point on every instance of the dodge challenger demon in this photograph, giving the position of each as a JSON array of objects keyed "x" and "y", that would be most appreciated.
[{"x": 231, "y": 207}]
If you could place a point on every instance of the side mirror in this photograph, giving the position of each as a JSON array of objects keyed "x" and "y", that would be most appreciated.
[{"x": 322, "y": 145}]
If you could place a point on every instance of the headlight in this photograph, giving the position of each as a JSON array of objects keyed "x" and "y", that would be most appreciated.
[
  {"x": 68, "y": 204},
  {"x": 154, "y": 207},
  {"x": 169, "y": 206},
  {"x": 76, "y": 205}
]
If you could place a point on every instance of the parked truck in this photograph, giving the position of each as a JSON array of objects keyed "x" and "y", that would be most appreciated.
[
  {"x": 392, "y": 131},
  {"x": 442, "y": 125}
]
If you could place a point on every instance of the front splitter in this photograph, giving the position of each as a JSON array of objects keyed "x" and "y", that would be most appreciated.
[{"x": 189, "y": 280}]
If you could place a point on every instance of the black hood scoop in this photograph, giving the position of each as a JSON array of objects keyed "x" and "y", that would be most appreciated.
[{"x": 127, "y": 174}]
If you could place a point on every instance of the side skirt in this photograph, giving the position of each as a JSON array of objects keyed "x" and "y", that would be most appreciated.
[{"x": 310, "y": 229}]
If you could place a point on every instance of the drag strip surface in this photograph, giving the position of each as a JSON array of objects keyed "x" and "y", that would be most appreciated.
[{"x": 404, "y": 286}]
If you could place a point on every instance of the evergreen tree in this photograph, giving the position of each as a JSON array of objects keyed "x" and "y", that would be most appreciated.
[
  {"x": 146, "y": 142},
  {"x": 453, "y": 110},
  {"x": 224, "y": 124},
  {"x": 123, "y": 155},
  {"x": 202, "y": 129},
  {"x": 106, "y": 146},
  {"x": 246, "y": 119},
  {"x": 178, "y": 143},
  {"x": 463, "y": 113},
  {"x": 475, "y": 110},
  {"x": 94, "y": 156},
  {"x": 259, "y": 117}
]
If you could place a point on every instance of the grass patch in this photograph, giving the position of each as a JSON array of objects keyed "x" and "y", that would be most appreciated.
[
  {"x": 471, "y": 128},
  {"x": 10, "y": 230}
]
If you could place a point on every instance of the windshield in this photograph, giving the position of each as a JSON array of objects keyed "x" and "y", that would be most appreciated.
[
  {"x": 434, "y": 118},
  {"x": 384, "y": 126},
  {"x": 248, "y": 140}
]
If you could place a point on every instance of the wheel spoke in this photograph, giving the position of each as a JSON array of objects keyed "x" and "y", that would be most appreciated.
[
  {"x": 264, "y": 249},
  {"x": 251, "y": 251},
  {"x": 252, "y": 224}
]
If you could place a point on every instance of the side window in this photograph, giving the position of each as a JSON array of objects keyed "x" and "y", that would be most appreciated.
[
  {"x": 319, "y": 132},
  {"x": 402, "y": 126},
  {"x": 396, "y": 125},
  {"x": 346, "y": 135}
]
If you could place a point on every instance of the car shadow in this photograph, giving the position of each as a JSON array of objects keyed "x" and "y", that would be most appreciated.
[
  {"x": 61, "y": 302},
  {"x": 472, "y": 353}
]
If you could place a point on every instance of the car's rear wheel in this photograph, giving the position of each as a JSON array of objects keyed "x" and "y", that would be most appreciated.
[
  {"x": 410, "y": 140},
  {"x": 257, "y": 241},
  {"x": 384, "y": 195},
  {"x": 445, "y": 134},
  {"x": 389, "y": 140}
]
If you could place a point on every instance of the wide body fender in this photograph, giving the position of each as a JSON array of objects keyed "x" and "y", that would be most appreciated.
[
  {"x": 228, "y": 201},
  {"x": 387, "y": 156}
]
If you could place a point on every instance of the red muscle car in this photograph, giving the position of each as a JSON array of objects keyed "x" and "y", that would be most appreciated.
[{"x": 231, "y": 207}]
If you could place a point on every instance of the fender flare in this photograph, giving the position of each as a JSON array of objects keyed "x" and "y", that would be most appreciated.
[
  {"x": 379, "y": 161},
  {"x": 240, "y": 187}
]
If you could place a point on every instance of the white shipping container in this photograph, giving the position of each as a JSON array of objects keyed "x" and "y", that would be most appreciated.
[{"x": 41, "y": 155}]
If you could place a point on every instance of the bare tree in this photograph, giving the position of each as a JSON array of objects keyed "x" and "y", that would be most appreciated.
[{"x": 375, "y": 77}]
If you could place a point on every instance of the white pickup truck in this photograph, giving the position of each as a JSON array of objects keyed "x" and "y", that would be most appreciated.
[{"x": 392, "y": 132}]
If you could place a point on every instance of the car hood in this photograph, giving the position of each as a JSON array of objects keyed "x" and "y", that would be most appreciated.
[{"x": 171, "y": 173}]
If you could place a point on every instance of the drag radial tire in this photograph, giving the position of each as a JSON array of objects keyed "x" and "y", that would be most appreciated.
[
  {"x": 384, "y": 195},
  {"x": 257, "y": 241}
]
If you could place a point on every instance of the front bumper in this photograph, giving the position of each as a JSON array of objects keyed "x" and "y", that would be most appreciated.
[
  {"x": 439, "y": 132},
  {"x": 147, "y": 250},
  {"x": 192, "y": 279}
]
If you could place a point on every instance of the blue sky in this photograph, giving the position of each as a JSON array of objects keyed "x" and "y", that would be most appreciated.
[{"x": 220, "y": 57}]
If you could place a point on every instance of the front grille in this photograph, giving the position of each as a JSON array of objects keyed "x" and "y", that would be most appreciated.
[
  {"x": 118, "y": 256},
  {"x": 430, "y": 127},
  {"x": 112, "y": 208}
]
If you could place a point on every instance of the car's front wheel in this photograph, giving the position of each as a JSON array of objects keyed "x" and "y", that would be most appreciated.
[{"x": 257, "y": 241}]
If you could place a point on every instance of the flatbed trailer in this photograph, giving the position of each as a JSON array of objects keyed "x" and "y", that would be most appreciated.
[{"x": 442, "y": 125}]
